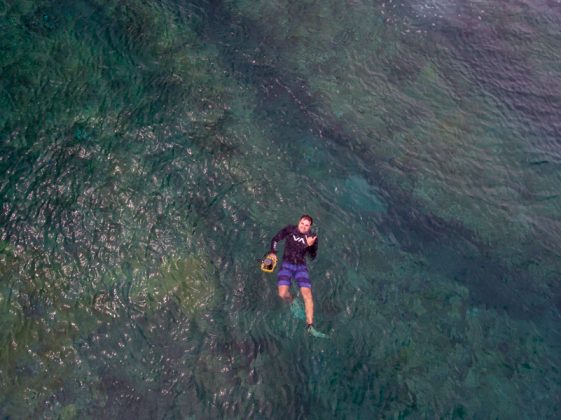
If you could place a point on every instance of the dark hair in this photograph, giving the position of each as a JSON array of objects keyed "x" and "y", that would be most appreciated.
[{"x": 308, "y": 218}]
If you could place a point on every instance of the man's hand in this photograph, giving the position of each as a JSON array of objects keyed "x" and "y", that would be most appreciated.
[{"x": 311, "y": 240}]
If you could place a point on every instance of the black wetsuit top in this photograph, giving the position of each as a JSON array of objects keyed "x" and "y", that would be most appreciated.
[{"x": 296, "y": 246}]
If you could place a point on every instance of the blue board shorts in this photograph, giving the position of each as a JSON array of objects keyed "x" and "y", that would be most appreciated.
[{"x": 296, "y": 271}]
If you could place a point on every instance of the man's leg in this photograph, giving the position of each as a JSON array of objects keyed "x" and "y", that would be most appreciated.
[
  {"x": 283, "y": 282},
  {"x": 284, "y": 293},
  {"x": 308, "y": 304},
  {"x": 305, "y": 284}
]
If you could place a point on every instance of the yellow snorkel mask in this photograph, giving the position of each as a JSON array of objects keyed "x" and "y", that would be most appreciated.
[{"x": 269, "y": 263}]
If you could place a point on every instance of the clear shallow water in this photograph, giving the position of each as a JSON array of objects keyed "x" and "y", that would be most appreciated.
[{"x": 149, "y": 150}]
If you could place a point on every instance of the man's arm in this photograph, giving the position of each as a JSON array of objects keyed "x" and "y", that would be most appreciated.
[
  {"x": 281, "y": 234},
  {"x": 313, "y": 250}
]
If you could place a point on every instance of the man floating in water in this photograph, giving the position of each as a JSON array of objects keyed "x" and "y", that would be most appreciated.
[{"x": 299, "y": 242}]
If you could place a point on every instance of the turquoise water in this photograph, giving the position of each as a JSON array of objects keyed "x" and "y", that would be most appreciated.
[{"x": 149, "y": 150}]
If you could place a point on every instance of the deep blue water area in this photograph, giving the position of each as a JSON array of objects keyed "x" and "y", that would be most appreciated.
[{"x": 149, "y": 151}]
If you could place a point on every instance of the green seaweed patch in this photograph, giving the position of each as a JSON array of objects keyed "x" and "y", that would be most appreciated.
[
  {"x": 360, "y": 195},
  {"x": 39, "y": 359},
  {"x": 188, "y": 281}
]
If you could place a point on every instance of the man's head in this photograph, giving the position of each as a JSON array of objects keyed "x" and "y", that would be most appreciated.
[{"x": 305, "y": 223}]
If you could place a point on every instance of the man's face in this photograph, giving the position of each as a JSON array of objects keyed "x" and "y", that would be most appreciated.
[{"x": 304, "y": 226}]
